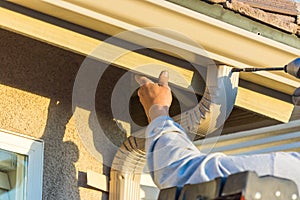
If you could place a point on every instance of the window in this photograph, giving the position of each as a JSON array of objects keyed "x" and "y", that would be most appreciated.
[
  {"x": 21, "y": 167},
  {"x": 13, "y": 168}
]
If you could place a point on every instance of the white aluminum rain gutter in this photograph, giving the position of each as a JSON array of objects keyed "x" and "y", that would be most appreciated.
[{"x": 231, "y": 45}]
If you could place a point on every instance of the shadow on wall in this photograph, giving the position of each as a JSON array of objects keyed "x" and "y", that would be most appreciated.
[{"x": 44, "y": 70}]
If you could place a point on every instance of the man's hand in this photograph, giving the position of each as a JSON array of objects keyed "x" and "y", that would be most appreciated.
[{"x": 156, "y": 98}]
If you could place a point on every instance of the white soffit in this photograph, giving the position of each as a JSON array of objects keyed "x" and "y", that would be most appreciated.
[{"x": 222, "y": 42}]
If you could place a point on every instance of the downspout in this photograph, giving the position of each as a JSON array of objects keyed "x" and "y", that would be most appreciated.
[{"x": 208, "y": 116}]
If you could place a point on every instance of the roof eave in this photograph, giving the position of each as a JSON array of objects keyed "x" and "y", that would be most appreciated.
[{"x": 231, "y": 45}]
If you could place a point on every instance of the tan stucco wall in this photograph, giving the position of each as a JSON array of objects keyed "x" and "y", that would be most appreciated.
[{"x": 36, "y": 81}]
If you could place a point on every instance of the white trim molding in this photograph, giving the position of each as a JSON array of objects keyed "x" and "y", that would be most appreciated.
[{"x": 282, "y": 137}]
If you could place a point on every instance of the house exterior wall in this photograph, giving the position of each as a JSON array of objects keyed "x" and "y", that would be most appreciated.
[{"x": 36, "y": 83}]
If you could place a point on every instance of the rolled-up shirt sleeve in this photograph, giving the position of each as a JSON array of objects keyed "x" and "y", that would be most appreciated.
[{"x": 173, "y": 160}]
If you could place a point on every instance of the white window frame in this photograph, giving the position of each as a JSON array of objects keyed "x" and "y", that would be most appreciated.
[{"x": 33, "y": 149}]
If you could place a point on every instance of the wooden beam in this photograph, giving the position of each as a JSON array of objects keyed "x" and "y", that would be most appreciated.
[
  {"x": 263, "y": 104},
  {"x": 84, "y": 45}
]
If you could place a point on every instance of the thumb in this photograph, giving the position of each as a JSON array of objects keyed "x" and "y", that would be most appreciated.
[{"x": 163, "y": 78}]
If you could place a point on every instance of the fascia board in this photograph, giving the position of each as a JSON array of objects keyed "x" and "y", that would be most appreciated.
[{"x": 223, "y": 42}]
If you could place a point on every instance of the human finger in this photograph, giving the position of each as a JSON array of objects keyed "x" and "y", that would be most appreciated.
[
  {"x": 163, "y": 78},
  {"x": 142, "y": 80}
]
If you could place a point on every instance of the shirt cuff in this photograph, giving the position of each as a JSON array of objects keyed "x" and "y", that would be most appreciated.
[{"x": 157, "y": 110}]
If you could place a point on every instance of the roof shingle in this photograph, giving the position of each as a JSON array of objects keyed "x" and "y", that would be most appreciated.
[{"x": 282, "y": 14}]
